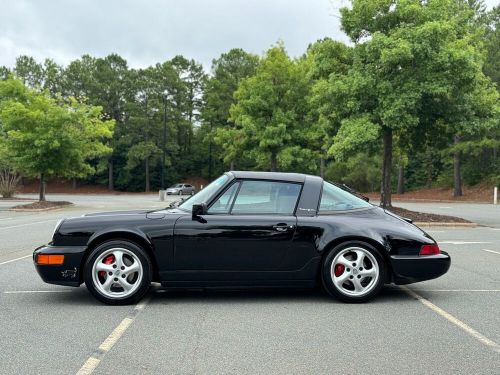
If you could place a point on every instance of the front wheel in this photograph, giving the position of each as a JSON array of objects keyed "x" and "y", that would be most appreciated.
[
  {"x": 353, "y": 272},
  {"x": 118, "y": 272}
]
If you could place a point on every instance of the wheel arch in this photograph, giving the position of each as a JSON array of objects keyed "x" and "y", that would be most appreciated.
[
  {"x": 370, "y": 241},
  {"x": 133, "y": 237}
]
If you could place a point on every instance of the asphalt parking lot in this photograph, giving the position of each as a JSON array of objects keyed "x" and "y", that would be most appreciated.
[{"x": 451, "y": 325}]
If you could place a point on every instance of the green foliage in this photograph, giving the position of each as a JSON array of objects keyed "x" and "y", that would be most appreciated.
[
  {"x": 418, "y": 73},
  {"x": 45, "y": 137},
  {"x": 361, "y": 171},
  {"x": 270, "y": 110}
]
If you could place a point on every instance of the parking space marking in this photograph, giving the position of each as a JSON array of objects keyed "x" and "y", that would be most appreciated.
[
  {"x": 112, "y": 339},
  {"x": 468, "y": 329},
  {"x": 492, "y": 251},
  {"x": 13, "y": 260},
  {"x": 95, "y": 359},
  {"x": 33, "y": 223},
  {"x": 36, "y": 291},
  {"x": 462, "y": 242},
  {"x": 457, "y": 290}
]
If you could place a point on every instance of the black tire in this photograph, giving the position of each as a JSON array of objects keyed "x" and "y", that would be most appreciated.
[
  {"x": 333, "y": 290},
  {"x": 144, "y": 284}
]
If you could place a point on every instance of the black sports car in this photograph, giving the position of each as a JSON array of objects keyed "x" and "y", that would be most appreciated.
[{"x": 244, "y": 230}]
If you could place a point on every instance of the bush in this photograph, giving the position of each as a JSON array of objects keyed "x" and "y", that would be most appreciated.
[{"x": 8, "y": 182}]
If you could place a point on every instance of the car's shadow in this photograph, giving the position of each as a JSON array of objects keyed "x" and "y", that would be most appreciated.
[
  {"x": 283, "y": 295},
  {"x": 80, "y": 296}
]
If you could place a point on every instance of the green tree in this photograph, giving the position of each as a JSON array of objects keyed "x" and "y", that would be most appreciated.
[
  {"x": 270, "y": 110},
  {"x": 227, "y": 72},
  {"x": 413, "y": 62},
  {"x": 324, "y": 60},
  {"x": 45, "y": 137}
]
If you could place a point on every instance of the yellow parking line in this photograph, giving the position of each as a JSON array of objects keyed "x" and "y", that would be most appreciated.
[
  {"x": 89, "y": 366},
  {"x": 95, "y": 359},
  {"x": 115, "y": 335},
  {"x": 468, "y": 329}
]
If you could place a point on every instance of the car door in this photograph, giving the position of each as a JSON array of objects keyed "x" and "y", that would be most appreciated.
[{"x": 249, "y": 227}]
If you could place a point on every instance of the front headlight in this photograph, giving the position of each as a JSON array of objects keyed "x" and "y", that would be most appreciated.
[{"x": 59, "y": 222}]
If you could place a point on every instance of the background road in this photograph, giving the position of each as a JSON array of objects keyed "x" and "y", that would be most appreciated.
[{"x": 48, "y": 329}]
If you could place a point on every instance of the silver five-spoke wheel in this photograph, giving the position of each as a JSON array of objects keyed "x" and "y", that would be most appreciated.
[
  {"x": 355, "y": 271},
  {"x": 117, "y": 273}
]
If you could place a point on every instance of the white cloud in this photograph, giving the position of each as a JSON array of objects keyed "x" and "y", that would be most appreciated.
[{"x": 147, "y": 32}]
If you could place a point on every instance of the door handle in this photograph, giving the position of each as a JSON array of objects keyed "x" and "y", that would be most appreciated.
[{"x": 283, "y": 227}]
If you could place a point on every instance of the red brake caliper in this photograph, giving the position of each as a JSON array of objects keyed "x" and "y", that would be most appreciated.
[
  {"x": 108, "y": 260},
  {"x": 339, "y": 269}
]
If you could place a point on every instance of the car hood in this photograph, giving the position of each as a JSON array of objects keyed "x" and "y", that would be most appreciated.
[{"x": 118, "y": 213}]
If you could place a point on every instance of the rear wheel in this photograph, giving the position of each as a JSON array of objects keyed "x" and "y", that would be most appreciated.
[
  {"x": 118, "y": 272},
  {"x": 353, "y": 272}
]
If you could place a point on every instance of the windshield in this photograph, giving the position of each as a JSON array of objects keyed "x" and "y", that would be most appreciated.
[
  {"x": 336, "y": 199},
  {"x": 205, "y": 194},
  {"x": 176, "y": 186}
]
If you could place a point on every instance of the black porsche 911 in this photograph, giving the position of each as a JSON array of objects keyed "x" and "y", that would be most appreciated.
[{"x": 244, "y": 230}]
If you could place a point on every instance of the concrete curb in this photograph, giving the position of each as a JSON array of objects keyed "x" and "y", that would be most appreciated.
[
  {"x": 40, "y": 209},
  {"x": 444, "y": 224}
]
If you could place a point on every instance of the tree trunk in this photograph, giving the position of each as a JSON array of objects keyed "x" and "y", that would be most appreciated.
[
  {"x": 322, "y": 167},
  {"x": 385, "y": 193},
  {"x": 42, "y": 188},
  {"x": 147, "y": 175},
  {"x": 274, "y": 162},
  {"x": 111, "y": 185},
  {"x": 457, "y": 177},
  {"x": 74, "y": 182},
  {"x": 231, "y": 167},
  {"x": 401, "y": 180}
]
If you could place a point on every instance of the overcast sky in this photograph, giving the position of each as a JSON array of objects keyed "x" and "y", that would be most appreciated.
[{"x": 150, "y": 31}]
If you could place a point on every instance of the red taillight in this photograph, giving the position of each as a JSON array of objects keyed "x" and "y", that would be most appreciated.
[{"x": 430, "y": 250}]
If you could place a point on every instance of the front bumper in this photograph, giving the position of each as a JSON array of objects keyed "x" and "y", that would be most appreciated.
[
  {"x": 64, "y": 274},
  {"x": 411, "y": 269}
]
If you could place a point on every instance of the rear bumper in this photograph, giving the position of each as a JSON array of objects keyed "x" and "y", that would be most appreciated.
[
  {"x": 411, "y": 269},
  {"x": 65, "y": 274}
]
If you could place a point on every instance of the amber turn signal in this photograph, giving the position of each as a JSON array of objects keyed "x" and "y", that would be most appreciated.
[{"x": 49, "y": 259}]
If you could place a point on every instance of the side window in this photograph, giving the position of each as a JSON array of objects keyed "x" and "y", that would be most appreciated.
[
  {"x": 336, "y": 199},
  {"x": 223, "y": 204},
  {"x": 266, "y": 197}
]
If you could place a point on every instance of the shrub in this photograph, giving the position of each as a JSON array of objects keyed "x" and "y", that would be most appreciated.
[{"x": 8, "y": 182}]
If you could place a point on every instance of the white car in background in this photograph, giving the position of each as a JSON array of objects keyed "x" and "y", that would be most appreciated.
[{"x": 181, "y": 189}]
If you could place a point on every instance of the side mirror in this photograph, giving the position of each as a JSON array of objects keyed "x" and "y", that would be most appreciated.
[{"x": 199, "y": 210}]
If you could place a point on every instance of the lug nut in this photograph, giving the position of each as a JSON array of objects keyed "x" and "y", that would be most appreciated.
[
  {"x": 354, "y": 264},
  {"x": 114, "y": 265},
  {"x": 116, "y": 279},
  {"x": 123, "y": 275},
  {"x": 348, "y": 269},
  {"x": 359, "y": 276},
  {"x": 110, "y": 273},
  {"x": 351, "y": 277},
  {"x": 122, "y": 267},
  {"x": 361, "y": 268}
]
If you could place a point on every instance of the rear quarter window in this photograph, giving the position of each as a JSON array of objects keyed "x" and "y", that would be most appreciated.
[{"x": 336, "y": 199}]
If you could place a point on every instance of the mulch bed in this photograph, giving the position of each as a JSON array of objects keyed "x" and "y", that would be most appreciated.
[
  {"x": 482, "y": 193},
  {"x": 16, "y": 199},
  {"x": 425, "y": 217},
  {"x": 42, "y": 205}
]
